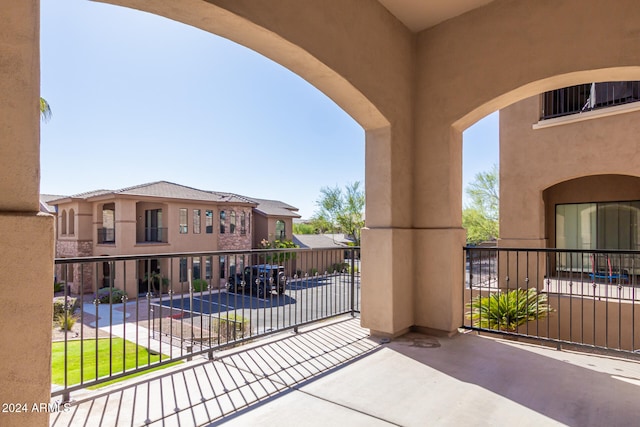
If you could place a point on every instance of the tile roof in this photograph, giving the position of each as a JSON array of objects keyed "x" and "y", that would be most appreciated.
[
  {"x": 170, "y": 190},
  {"x": 165, "y": 189},
  {"x": 275, "y": 208},
  {"x": 44, "y": 202}
]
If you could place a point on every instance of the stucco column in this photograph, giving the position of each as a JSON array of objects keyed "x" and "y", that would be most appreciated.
[
  {"x": 438, "y": 234},
  {"x": 26, "y": 237},
  {"x": 387, "y": 241}
]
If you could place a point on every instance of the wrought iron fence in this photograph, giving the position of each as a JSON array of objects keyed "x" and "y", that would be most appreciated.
[
  {"x": 587, "y": 298},
  {"x": 129, "y": 314},
  {"x": 588, "y": 97}
]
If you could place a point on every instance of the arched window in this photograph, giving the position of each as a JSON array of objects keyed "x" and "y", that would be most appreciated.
[
  {"x": 243, "y": 223},
  {"x": 223, "y": 217},
  {"x": 72, "y": 222},
  {"x": 232, "y": 222},
  {"x": 63, "y": 223},
  {"x": 280, "y": 230}
]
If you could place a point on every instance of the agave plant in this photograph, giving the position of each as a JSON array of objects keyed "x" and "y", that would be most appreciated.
[{"x": 506, "y": 311}]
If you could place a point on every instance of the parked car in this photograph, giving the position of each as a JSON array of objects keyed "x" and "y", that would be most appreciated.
[{"x": 260, "y": 280}]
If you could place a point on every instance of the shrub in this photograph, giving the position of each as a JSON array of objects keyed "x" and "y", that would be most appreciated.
[
  {"x": 313, "y": 271},
  {"x": 339, "y": 267},
  {"x": 60, "y": 306},
  {"x": 231, "y": 327},
  {"x": 110, "y": 295},
  {"x": 66, "y": 320},
  {"x": 154, "y": 281},
  {"x": 199, "y": 285},
  {"x": 506, "y": 311},
  {"x": 57, "y": 287}
]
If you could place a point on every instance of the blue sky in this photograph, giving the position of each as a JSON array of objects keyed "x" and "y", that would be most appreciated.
[{"x": 138, "y": 98}]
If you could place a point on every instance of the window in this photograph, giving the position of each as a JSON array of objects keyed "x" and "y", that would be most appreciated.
[
  {"x": 196, "y": 221},
  {"x": 107, "y": 234},
  {"x": 222, "y": 267},
  {"x": 195, "y": 268},
  {"x": 63, "y": 223},
  {"x": 232, "y": 222},
  {"x": 153, "y": 231},
  {"x": 72, "y": 222},
  {"x": 610, "y": 225},
  {"x": 207, "y": 268},
  {"x": 208, "y": 221},
  {"x": 184, "y": 227},
  {"x": 243, "y": 223},
  {"x": 280, "y": 230},
  {"x": 223, "y": 216}
]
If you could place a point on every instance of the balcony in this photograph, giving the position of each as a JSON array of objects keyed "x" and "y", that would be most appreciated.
[
  {"x": 336, "y": 374},
  {"x": 305, "y": 360},
  {"x": 154, "y": 235},
  {"x": 106, "y": 235},
  {"x": 588, "y": 97}
]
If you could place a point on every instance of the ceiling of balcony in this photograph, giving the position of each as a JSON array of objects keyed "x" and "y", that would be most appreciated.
[{"x": 418, "y": 15}]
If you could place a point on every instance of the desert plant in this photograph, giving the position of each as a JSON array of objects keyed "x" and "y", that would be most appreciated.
[
  {"x": 57, "y": 286},
  {"x": 66, "y": 320},
  {"x": 110, "y": 295},
  {"x": 199, "y": 285},
  {"x": 506, "y": 311}
]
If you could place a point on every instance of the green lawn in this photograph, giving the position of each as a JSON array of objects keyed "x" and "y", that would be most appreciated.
[{"x": 119, "y": 360}]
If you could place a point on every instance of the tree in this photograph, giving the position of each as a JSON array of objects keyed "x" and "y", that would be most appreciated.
[
  {"x": 341, "y": 210},
  {"x": 481, "y": 217},
  {"x": 303, "y": 228},
  {"x": 45, "y": 110}
]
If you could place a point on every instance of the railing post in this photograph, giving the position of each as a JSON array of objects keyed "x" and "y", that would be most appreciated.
[{"x": 353, "y": 282}]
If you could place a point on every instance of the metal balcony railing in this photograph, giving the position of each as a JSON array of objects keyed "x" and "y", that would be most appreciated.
[
  {"x": 135, "y": 313},
  {"x": 106, "y": 235},
  {"x": 155, "y": 235},
  {"x": 588, "y": 97},
  {"x": 584, "y": 298}
]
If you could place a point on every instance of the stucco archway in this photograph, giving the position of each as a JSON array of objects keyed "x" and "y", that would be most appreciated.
[
  {"x": 413, "y": 94},
  {"x": 471, "y": 66}
]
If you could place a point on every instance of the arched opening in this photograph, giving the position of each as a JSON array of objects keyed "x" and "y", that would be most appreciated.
[
  {"x": 63, "y": 223},
  {"x": 280, "y": 230},
  {"x": 593, "y": 212},
  {"x": 72, "y": 222}
]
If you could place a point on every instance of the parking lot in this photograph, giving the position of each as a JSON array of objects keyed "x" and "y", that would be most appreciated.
[{"x": 304, "y": 300}]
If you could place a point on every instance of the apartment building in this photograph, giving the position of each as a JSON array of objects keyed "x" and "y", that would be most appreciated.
[
  {"x": 568, "y": 171},
  {"x": 159, "y": 218}
]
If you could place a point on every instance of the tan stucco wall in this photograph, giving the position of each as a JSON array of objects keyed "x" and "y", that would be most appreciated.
[
  {"x": 533, "y": 161},
  {"x": 26, "y": 246},
  {"x": 265, "y": 228}
]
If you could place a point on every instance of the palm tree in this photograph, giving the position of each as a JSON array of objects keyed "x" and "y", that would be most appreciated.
[{"x": 45, "y": 110}]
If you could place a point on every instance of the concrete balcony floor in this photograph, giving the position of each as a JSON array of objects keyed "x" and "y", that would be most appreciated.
[{"x": 334, "y": 373}]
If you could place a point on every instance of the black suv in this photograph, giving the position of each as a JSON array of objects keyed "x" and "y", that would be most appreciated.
[{"x": 259, "y": 280}]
